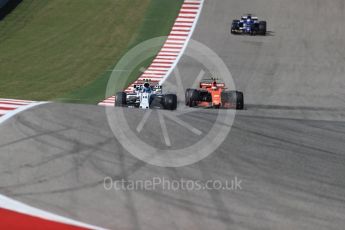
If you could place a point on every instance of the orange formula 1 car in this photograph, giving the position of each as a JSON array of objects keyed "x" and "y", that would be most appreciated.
[{"x": 213, "y": 94}]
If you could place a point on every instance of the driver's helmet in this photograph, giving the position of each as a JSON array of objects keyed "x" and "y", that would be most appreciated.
[
  {"x": 147, "y": 88},
  {"x": 214, "y": 85}
]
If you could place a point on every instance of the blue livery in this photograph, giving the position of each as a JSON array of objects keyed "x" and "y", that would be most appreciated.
[{"x": 249, "y": 24}]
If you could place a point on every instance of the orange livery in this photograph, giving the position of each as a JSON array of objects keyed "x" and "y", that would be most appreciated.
[{"x": 213, "y": 94}]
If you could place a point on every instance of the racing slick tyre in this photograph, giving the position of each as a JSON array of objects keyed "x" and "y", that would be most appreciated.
[
  {"x": 262, "y": 27},
  {"x": 239, "y": 100},
  {"x": 155, "y": 101},
  {"x": 233, "y": 99},
  {"x": 234, "y": 26},
  {"x": 120, "y": 99},
  {"x": 254, "y": 30},
  {"x": 194, "y": 97},
  {"x": 170, "y": 101},
  {"x": 188, "y": 95}
]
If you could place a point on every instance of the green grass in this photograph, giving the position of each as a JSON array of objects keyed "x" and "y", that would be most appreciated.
[{"x": 64, "y": 49}]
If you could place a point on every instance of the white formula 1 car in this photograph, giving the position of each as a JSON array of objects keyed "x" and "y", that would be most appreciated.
[{"x": 146, "y": 96}]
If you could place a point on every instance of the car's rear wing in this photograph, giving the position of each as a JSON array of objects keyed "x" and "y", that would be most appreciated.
[
  {"x": 143, "y": 81},
  {"x": 252, "y": 17},
  {"x": 139, "y": 84},
  {"x": 210, "y": 83}
]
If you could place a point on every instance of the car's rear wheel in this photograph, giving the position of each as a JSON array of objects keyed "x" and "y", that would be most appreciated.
[
  {"x": 170, "y": 101},
  {"x": 239, "y": 100},
  {"x": 262, "y": 27},
  {"x": 153, "y": 99},
  {"x": 191, "y": 96},
  {"x": 232, "y": 99},
  {"x": 120, "y": 99},
  {"x": 188, "y": 95},
  {"x": 253, "y": 29},
  {"x": 194, "y": 97},
  {"x": 234, "y": 26}
]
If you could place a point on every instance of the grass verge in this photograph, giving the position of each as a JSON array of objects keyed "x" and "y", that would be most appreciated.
[
  {"x": 158, "y": 21},
  {"x": 63, "y": 49}
]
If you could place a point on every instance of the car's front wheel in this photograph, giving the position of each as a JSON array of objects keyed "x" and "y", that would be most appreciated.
[
  {"x": 170, "y": 101},
  {"x": 262, "y": 27},
  {"x": 194, "y": 97}
]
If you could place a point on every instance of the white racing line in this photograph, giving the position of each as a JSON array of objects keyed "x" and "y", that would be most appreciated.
[
  {"x": 13, "y": 205},
  {"x": 11, "y": 107}
]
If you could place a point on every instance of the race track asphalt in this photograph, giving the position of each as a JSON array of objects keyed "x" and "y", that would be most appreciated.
[{"x": 287, "y": 146}]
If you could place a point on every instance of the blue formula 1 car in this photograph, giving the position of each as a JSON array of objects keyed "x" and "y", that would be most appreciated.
[{"x": 249, "y": 25}]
